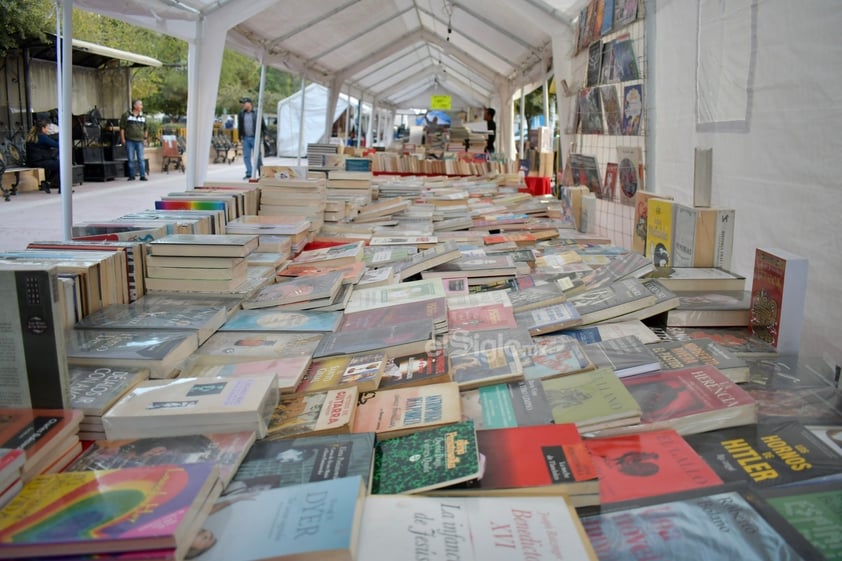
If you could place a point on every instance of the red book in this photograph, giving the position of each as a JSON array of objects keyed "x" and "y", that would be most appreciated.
[
  {"x": 778, "y": 292},
  {"x": 481, "y": 318},
  {"x": 647, "y": 464},
  {"x": 434, "y": 309},
  {"x": 534, "y": 460}
]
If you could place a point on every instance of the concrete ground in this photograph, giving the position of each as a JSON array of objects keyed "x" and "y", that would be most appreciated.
[{"x": 35, "y": 215}]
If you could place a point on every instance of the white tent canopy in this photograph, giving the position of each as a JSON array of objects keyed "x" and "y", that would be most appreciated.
[
  {"x": 386, "y": 52},
  {"x": 315, "y": 100}
]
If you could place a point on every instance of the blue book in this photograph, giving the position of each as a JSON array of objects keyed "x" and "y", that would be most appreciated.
[
  {"x": 317, "y": 520},
  {"x": 282, "y": 320}
]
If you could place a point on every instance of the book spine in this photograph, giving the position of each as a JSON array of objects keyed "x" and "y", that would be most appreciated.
[{"x": 724, "y": 244}]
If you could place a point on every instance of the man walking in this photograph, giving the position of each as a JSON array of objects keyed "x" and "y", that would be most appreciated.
[
  {"x": 133, "y": 134},
  {"x": 247, "y": 126}
]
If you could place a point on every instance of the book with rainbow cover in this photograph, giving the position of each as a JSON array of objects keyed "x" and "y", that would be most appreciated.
[{"x": 108, "y": 511}]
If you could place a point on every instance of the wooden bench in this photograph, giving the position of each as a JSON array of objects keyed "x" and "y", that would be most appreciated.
[{"x": 15, "y": 173}]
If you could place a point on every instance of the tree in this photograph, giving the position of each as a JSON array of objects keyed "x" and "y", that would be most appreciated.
[{"x": 23, "y": 20}]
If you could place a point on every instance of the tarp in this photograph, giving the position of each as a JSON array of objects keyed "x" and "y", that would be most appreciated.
[{"x": 289, "y": 119}]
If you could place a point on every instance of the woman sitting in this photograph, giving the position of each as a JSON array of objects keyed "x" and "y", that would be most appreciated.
[{"x": 42, "y": 152}]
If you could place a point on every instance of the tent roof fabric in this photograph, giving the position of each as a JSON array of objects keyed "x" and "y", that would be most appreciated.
[{"x": 394, "y": 51}]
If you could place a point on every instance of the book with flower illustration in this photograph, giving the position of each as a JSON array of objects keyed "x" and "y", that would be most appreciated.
[{"x": 109, "y": 511}]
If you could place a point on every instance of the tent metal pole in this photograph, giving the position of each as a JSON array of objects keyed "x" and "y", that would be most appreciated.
[
  {"x": 522, "y": 118},
  {"x": 65, "y": 70},
  {"x": 258, "y": 126},
  {"x": 301, "y": 122}
]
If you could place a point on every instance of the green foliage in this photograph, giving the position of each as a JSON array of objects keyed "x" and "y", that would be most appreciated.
[{"x": 23, "y": 20}]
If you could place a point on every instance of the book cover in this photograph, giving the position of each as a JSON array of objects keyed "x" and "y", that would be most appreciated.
[
  {"x": 768, "y": 454},
  {"x": 683, "y": 279},
  {"x": 641, "y": 210},
  {"x": 399, "y": 411},
  {"x": 707, "y": 525},
  {"x": 410, "y": 337},
  {"x": 426, "y": 459},
  {"x": 396, "y": 527},
  {"x": 270, "y": 464},
  {"x": 738, "y": 340},
  {"x": 684, "y": 354},
  {"x": 431, "y": 367},
  {"x": 778, "y": 292},
  {"x": 647, "y": 464},
  {"x": 625, "y": 356},
  {"x": 514, "y": 404},
  {"x": 629, "y": 160},
  {"x": 594, "y": 63},
  {"x": 591, "y": 400},
  {"x": 481, "y": 318},
  {"x": 659, "y": 232},
  {"x": 287, "y": 372},
  {"x": 362, "y": 371},
  {"x": 814, "y": 510},
  {"x": 590, "y": 111},
  {"x": 380, "y": 296},
  {"x": 541, "y": 459},
  {"x": 554, "y": 317},
  {"x": 93, "y": 390},
  {"x": 690, "y": 400},
  {"x": 606, "y": 302},
  {"x": 34, "y": 367},
  {"x": 632, "y": 104},
  {"x": 720, "y": 308},
  {"x": 159, "y": 351},
  {"x": 434, "y": 309},
  {"x": 790, "y": 371},
  {"x": 226, "y": 347},
  {"x": 282, "y": 320},
  {"x": 298, "y": 289},
  {"x": 225, "y": 450},
  {"x": 606, "y": 331},
  {"x": 537, "y": 296},
  {"x": 107, "y": 511},
  {"x": 485, "y": 367},
  {"x": 204, "y": 320},
  {"x": 815, "y": 404},
  {"x": 38, "y": 432},
  {"x": 217, "y": 245},
  {"x": 318, "y": 520},
  {"x": 309, "y": 414},
  {"x": 553, "y": 355},
  {"x": 609, "y": 183},
  {"x": 625, "y": 62},
  {"x": 333, "y": 255},
  {"x": 178, "y": 407}
]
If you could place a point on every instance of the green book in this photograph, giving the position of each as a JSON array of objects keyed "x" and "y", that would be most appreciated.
[
  {"x": 427, "y": 459},
  {"x": 593, "y": 400},
  {"x": 515, "y": 404}
]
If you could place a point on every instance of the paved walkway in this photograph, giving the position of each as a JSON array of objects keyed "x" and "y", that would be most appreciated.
[{"x": 35, "y": 215}]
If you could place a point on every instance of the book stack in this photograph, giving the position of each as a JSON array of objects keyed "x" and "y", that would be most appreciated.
[
  {"x": 301, "y": 197},
  {"x": 11, "y": 468},
  {"x": 199, "y": 263},
  {"x": 48, "y": 438},
  {"x": 94, "y": 390}
]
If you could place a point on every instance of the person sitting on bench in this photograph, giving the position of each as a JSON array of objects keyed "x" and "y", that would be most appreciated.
[{"x": 42, "y": 152}]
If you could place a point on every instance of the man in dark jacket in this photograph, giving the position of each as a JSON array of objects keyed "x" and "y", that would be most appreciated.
[{"x": 247, "y": 126}]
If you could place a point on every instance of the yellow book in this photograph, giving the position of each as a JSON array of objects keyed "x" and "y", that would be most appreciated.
[{"x": 659, "y": 232}]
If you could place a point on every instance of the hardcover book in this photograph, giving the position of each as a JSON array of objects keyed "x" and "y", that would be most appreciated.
[
  {"x": 625, "y": 356},
  {"x": 224, "y": 450},
  {"x": 166, "y": 501},
  {"x": 400, "y": 411},
  {"x": 426, "y": 459},
  {"x": 515, "y": 404},
  {"x": 533, "y": 460},
  {"x": 707, "y": 525},
  {"x": 282, "y": 320},
  {"x": 592, "y": 400},
  {"x": 186, "y": 406},
  {"x": 395, "y": 527},
  {"x": 310, "y": 521},
  {"x": 648, "y": 464},
  {"x": 486, "y": 367},
  {"x": 292, "y": 461},
  {"x": 768, "y": 454},
  {"x": 684, "y": 354},
  {"x": 159, "y": 351},
  {"x": 778, "y": 291},
  {"x": 690, "y": 401},
  {"x": 310, "y": 414}
]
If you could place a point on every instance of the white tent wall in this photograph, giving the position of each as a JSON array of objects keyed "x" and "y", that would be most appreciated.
[
  {"x": 780, "y": 167},
  {"x": 316, "y": 98}
]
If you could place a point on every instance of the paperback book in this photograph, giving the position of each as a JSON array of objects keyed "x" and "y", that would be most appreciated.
[
  {"x": 93, "y": 390},
  {"x": 625, "y": 356},
  {"x": 311, "y": 414},
  {"x": 483, "y": 368},
  {"x": 431, "y": 367},
  {"x": 362, "y": 371},
  {"x": 398, "y": 411},
  {"x": 514, "y": 404},
  {"x": 227, "y": 347},
  {"x": 675, "y": 355},
  {"x": 551, "y": 356},
  {"x": 143, "y": 314},
  {"x": 283, "y": 320},
  {"x": 287, "y": 372},
  {"x": 296, "y": 290},
  {"x": 622, "y": 297}
]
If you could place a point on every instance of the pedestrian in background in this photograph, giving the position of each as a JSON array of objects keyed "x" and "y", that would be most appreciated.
[
  {"x": 134, "y": 134},
  {"x": 247, "y": 127}
]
